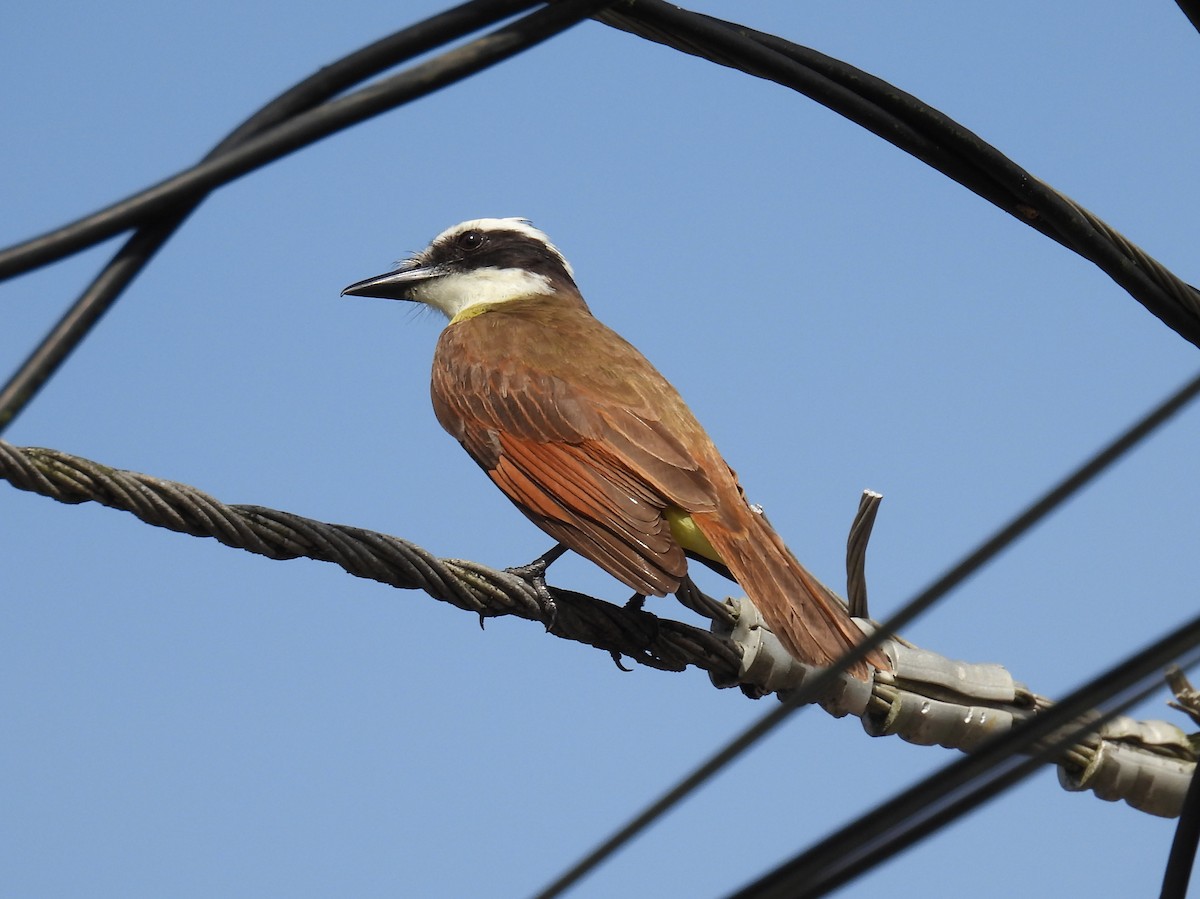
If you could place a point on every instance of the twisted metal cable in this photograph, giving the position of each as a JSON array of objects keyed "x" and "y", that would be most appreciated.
[
  {"x": 488, "y": 592},
  {"x": 856, "y": 553}
]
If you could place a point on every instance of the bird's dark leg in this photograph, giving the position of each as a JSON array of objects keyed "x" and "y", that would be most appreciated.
[
  {"x": 538, "y": 567},
  {"x": 534, "y": 574},
  {"x": 637, "y": 601}
]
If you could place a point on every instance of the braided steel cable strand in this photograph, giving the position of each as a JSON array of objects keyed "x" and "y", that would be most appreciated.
[
  {"x": 856, "y": 553},
  {"x": 650, "y": 640}
]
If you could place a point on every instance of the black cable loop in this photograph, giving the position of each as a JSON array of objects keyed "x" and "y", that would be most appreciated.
[
  {"x": 922, "y": 131},
  {"x": 885, "y": 110}
]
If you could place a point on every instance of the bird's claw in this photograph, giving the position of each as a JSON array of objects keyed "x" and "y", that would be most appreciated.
[
  {"x": 534, "y": 574},
  {"x": 549, "y": 607}
]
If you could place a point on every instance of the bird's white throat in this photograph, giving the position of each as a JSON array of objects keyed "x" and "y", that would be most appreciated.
[{"x": 454, "y": 293}]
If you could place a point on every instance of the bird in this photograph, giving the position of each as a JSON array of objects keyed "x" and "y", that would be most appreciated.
[{"x": 585, "y": 436}]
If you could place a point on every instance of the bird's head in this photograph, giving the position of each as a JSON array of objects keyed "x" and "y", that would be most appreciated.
[{"x": 475, "y": 263}]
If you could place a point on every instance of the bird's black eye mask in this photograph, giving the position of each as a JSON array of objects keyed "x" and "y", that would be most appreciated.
[{"x": 475, "y": 248}]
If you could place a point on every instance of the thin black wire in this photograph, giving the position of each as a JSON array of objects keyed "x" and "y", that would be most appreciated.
[
  {"x": 1066, "y": 220},
  {"x": 927, "y": 134},
  {"x": 288, "y": 136},
  {"x": 954, "y": 576},
  {"x": 962, "y": 786},
  {"x": 294, "y": 119},
  {"x": 876, "y": 105},
  {"x": 1183, "y": 847},
  {"x": 106, "y": 288},
  {"x": 1191, "y": 9}
]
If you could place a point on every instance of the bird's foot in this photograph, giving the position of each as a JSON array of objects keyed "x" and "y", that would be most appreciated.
[
  {"x": 534, "y": 574},
  {"x": 616, "y": 657}
]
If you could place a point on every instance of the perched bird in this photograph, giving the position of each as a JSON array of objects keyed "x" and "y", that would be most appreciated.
[{"x": 585, "y": 436}]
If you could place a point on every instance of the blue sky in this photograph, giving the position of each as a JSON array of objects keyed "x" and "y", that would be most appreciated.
[{"x": 183, "y": 719}]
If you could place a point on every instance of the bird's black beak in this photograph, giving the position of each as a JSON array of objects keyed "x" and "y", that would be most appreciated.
[{"x": 395, "y": 285}]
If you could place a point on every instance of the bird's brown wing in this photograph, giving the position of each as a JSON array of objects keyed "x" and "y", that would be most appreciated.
[
  {"x": 593, "y": 467},
  {"x": 581, "y": 502},
  {"x": 594, "y": 445}
]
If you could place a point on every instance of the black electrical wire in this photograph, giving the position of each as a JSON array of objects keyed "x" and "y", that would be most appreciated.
[
  {"x": 294, "y": 119},
  {"x": 1191, "y": 9},
  {"x": 962, "y": 786},
  {"x": 882, "y": 108},
  {"x": 277, "y": 130},
  {"x": 927, "y": 134},
  {"x": 291, "y": 134},
  {"x": 955, "y": 575},
  {"x": 105, "y": 289},
  {"x": 1183, "y": 847},
  {"x": 885, "y": 110}
]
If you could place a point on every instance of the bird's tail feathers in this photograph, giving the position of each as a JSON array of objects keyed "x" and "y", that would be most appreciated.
[{"x": 807, "y": 617}]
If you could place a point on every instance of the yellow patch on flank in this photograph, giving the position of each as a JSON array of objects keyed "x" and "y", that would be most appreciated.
[{"x": 688, "y": 535}]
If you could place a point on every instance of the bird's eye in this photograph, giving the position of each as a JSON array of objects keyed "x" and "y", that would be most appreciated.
[{"x": 469, "y": 241}]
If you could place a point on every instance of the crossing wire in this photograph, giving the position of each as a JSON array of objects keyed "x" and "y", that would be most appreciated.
[
  {"x": 298, "y": 117},
  {"x": 306, "y": 113},
  {"x": 988, "y": 550},
  {"x": 962, "y": 786}
]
